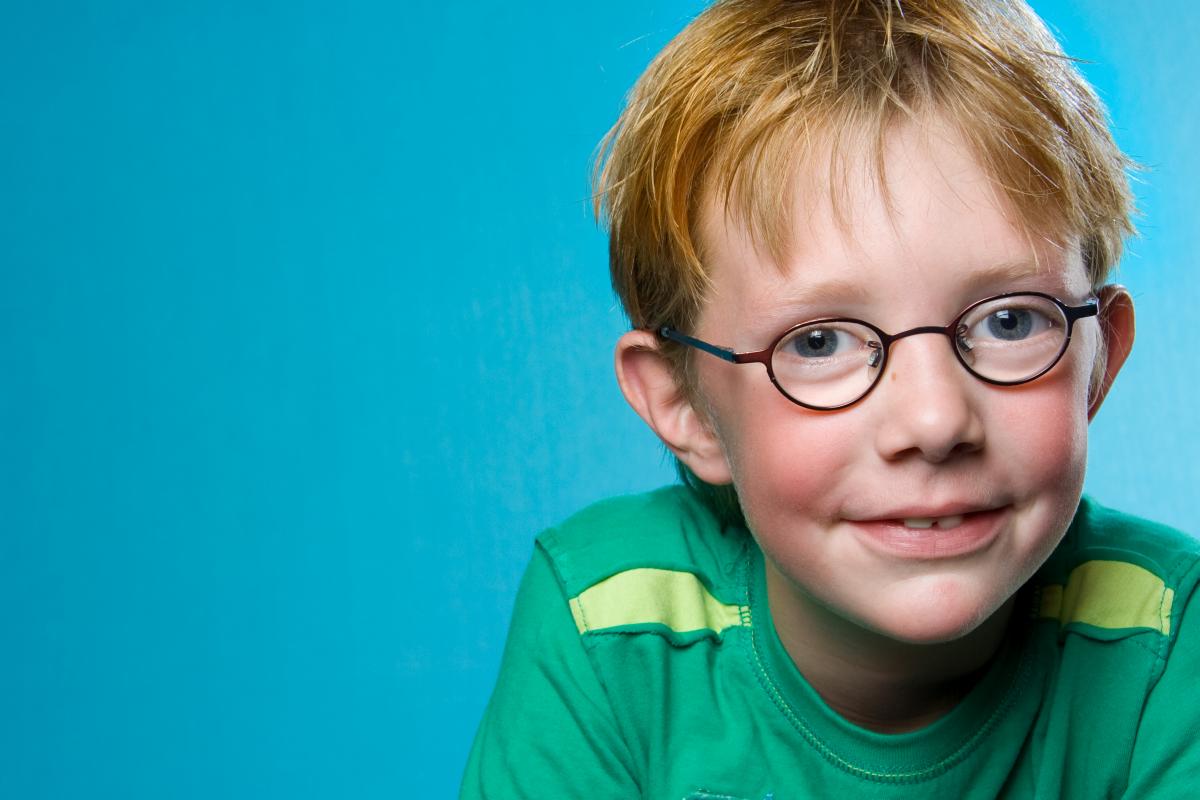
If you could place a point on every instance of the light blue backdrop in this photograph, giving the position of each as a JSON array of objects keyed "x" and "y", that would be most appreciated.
[{"x": 305, "y": 331}]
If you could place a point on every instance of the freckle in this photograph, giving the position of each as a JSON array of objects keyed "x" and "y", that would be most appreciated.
[{"x": 892, "y": 377}]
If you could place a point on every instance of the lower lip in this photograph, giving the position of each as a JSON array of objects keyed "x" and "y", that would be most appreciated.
[{"x": 977, "y": 530}]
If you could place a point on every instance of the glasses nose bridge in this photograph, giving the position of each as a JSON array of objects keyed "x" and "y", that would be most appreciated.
[{"x": 944, "y": 330}]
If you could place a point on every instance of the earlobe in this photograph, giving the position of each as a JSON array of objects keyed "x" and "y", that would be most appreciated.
[
  {"x": 1116, "y": 331},
  {"x": 649, "y": 386}
]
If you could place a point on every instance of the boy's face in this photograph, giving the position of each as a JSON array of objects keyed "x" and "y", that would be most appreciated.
[{"x": 825, "y": 493}]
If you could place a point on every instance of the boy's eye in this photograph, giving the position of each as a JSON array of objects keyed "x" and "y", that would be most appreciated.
[
  {"x": 1009, "y": 324},
  {"x": 836, "y": 340},
  {"x": 816, "y": 343},
  {"x": 827, "y": 362}
]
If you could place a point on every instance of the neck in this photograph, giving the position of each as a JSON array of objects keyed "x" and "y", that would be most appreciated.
[{"x": 872, "y": 680}]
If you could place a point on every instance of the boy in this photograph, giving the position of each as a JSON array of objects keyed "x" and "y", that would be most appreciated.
[{"x": 863, "y": 246}]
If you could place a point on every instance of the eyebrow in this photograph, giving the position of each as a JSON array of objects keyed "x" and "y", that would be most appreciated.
[
  {"x": 814, "y": 295},
  {"x": 1003, "y": 276},
  {"x": 1008, "y": 273}
]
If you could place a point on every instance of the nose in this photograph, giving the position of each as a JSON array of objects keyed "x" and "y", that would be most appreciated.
[{"x": 929, "y": 405}]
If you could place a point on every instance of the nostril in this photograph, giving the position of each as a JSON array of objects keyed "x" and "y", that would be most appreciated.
[{"x": 966, "y": 448}]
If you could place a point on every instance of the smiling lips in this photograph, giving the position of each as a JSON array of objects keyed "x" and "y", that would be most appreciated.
[{"x": 912, "y": 536}]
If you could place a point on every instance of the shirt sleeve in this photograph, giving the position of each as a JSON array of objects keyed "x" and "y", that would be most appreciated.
[
  {"x": 1166, "y": 753},
  {"x": 548, "y": 731}
]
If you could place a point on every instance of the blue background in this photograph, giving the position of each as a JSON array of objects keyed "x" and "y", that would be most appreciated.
[{"x": 305, "y": 331}]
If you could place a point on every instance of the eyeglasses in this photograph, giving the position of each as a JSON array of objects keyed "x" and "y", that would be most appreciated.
[{"x": 827, "y": 364}]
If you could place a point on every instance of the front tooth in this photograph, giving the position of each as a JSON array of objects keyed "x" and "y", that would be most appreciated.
[{"x": 943, "y": 523}]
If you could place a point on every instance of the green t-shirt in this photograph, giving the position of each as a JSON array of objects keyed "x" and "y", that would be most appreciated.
[{"x": 642, "y": 662}]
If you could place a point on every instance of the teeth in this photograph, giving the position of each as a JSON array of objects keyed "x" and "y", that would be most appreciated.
[{"x": 944, "y": 523}]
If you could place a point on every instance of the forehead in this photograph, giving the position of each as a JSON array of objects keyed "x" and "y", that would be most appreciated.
[{"x": 922, "y": 228}]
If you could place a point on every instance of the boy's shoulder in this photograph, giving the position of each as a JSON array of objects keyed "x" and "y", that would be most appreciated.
[
  {"x": 1101, "y": 533},
  {"x": 1116, "y": 573},
  {"x": 667, "y": 534}
]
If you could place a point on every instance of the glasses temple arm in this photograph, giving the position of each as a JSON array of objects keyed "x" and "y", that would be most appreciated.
[
  {"x": 1090, "y": 308},
  {"x": 667, "y": 332}
]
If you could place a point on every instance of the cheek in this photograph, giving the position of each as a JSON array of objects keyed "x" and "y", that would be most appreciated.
[
  {"x": 1042, "y": 435},
  {"x": 786, "y": 459}
]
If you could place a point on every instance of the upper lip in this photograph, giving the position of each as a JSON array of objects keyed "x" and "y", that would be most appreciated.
[{"x": 931, "y": 511}]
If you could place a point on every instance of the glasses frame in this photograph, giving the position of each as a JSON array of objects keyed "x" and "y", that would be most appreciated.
[{"x": 1090, "y": 308}]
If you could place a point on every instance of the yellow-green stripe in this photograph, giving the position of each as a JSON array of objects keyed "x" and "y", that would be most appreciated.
[
  {"x": 1110, "y": 594},
  {"x": 678, "y": 600}
]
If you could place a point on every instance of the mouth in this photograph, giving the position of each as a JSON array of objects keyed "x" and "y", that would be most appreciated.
[
  {"x": 941, "y": 523},
  {"x": 928, "y": 537}
]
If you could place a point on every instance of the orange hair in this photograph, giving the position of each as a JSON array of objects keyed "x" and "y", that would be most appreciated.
[{"x": 734, "y": 102}]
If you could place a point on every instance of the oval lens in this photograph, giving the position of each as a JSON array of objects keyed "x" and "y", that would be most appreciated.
[
  {"x": 827, "y": 364},
  {"x": 1011, "y": 339}
]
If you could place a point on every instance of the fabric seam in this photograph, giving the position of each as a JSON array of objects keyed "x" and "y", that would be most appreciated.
[{"x": 916, "y": 776}]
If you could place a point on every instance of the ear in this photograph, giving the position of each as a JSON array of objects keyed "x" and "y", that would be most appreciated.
[
  {"x": 1116, "y": 329},
  {"x": 649, "y": 386}
]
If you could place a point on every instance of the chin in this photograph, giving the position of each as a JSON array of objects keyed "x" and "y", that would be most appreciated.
[
  {"x": 939, "y": 614},
  {"x": 931, "y": 631}
]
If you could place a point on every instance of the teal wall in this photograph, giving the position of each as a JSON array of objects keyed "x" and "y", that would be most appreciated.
[{"x": 305, "y": 331}]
